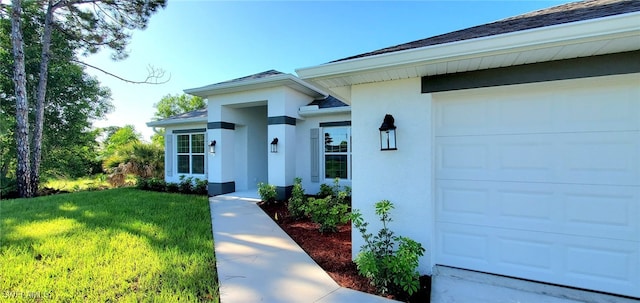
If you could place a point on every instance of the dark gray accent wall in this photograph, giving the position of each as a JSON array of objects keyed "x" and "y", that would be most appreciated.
[
  {"x": 595, "y": 66},
  {"x": 283, "y": 192},
  {"x": 216, "y": 189},
  {"x": 338, "y": 123},
  {"x": 221, "y": 125},
  {"x": 281, "y": 120},
  {"x": 189, "y": 131}
]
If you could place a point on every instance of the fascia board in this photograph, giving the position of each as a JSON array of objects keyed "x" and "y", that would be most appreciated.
[
  {"x": 627, "y": 25},
  {"x": 253, "y": 84},
  {"x": 177, "y": 121}
]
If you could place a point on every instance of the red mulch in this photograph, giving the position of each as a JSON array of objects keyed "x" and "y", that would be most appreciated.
[{"x": 332, "y": 251}]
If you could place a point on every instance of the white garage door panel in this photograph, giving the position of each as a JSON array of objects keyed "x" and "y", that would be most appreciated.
[
  {"x": 586, "y": 158},
  {"x": 583, "y": 210},
  {"x": 542, "y": 181},
  {"x": 592, "y": 263},
  {"x": 537, "y": 108}
]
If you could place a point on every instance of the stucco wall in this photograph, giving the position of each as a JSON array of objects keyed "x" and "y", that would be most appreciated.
[
  {"x": 403, "y": 176},
  {"x": 303, "y": 150}
]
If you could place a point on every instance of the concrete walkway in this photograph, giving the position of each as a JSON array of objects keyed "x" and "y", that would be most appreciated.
[{"x": 258, "y": 262}]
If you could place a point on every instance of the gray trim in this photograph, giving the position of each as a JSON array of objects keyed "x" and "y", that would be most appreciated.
[
  {"x": 337, "y": 123},
  {"x": 281, "y": 120},
  {"x": 189, "y": 131},
  {"x": 315, "y": 155},
  {"x": 221, "y": 125},
  {"x": 283, "y": 192},
  {"x": 595, "y": 66},
  {"x": 216, "y": 189}
]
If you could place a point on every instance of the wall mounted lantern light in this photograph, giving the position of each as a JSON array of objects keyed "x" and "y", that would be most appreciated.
[
  {"x": 388, "y": 134},
  {"x": 274, "y": 145},
  {"x": 212, "y": 147}
]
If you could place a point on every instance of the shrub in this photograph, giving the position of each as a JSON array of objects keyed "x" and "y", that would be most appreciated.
[
  {"x": 342, "y": 194},
  {"x": 325, "y": 190},
  {"x": 8, "y": 187},
  {"x": 267, "y": 192},
  {"x": 156, "y": 184},
  {"x": 185, "y": 186},
  {"x": 172, "y": 187},
  {"x": 201, "y": 187},
  {"x": 328, "y": 212},
  {"x": 142, "y": 183},
  {"x": 389, "y": 261},
  {"x": 331, "y": 209},
  {"x": 334, "y": 190},
  {"x": 296, "y": 204}
]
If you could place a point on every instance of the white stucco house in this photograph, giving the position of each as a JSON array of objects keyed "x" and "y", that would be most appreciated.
[{"x": 518, "y": 143}]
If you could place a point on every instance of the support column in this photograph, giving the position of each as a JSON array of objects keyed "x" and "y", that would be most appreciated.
[
  {"x": 282, "y": 163},
  {"x": 220, "y": 168}
]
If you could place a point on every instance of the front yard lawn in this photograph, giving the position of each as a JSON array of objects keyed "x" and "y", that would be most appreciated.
[{"x": 106, "y": 246}]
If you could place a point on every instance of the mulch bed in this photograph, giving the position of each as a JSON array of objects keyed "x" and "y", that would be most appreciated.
[{"x": 332, "y": 251}]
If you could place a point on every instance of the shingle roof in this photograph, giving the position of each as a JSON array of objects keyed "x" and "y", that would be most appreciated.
[
  {"x": 328, "y": 102},
  {"x": 198, "y": 113},
  {"x": 566, "y": 13},
  {"x": 265, "y": 74}
]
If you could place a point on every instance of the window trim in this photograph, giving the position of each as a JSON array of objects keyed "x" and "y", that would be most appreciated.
[
  {"x": 348, "y": 153},
  {"x": 190, "y": 154}
]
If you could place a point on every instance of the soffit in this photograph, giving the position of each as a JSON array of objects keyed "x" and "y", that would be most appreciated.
[{"x": 580, "y": 39}]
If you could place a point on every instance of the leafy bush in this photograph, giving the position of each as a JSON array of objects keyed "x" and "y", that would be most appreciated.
[
  {"x": 157, "y": 184},
  {"x": 328, "y": 212},
  {"x": 8, "y": 187},
  {"x": 389, "y": 261},
  {"x": 141, "y": 159},
  {"x": 185, "y": 186},
  {"x": 267, "y": 192},
  {"x": 325, "y": 190},
  {"x": 334, "y": 190},
  {"x": 142, "y": 183},
  {"x": 296, "y": 204},
  {"x": 331, "y": 209},
  {"x": 172, "y": 187},
  {"x": 201, "y": 187}
]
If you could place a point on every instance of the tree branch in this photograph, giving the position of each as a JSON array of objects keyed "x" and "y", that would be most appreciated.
[{"x": 154, "y": 75}]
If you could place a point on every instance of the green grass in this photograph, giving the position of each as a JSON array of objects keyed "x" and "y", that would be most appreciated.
[{"x": 119, "y": 245}]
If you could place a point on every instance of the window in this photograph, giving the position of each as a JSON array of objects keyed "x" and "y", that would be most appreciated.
[
  {"x": 337, "y": 152},
  {"x": 190, "y": 152}
]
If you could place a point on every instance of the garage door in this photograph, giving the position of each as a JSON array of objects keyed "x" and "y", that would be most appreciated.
[{"x": 542, "y": 182}]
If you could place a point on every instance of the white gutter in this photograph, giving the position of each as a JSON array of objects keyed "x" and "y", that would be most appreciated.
[
  {"x": 314, "y": 110},
  {"x": 618, "y": 26}
]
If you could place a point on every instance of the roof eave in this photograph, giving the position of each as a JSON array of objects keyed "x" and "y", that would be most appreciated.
[
  {"x": 176, "y": 121},
  {"x": 314, "y": 110},
  {"x": 551, "y": 36},
  {"x": 288, "y": 80}
]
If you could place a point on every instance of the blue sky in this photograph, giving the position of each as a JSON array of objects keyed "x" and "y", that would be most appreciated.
[{"x": 204, "y": 42}]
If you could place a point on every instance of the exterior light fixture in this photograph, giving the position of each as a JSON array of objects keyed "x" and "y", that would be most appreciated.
[
  {"x": 274, "y": 145},
  {"x": 388, "y": 134},
  {"x": 212, "y": 147}
]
